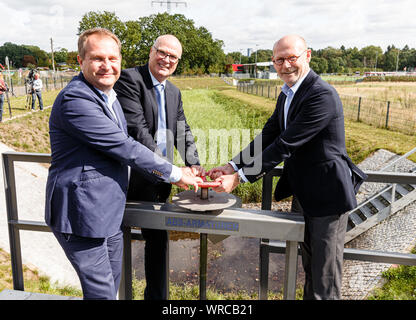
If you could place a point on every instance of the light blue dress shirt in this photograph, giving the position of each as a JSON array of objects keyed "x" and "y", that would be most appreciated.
[
  {"x": 290, "y": 93},
  {"x": 176, "y": 173},
  {"x": 109, "y": 100}
]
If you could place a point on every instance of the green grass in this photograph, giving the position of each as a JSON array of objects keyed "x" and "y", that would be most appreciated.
[
  {"x": 191, "y": 292},
  {"x": 400, "y": 284},
  {"x": 33, "y": 281},
  {"x": 210, "y": 111},
  {"x": 222, "y": 108},
  {"x": 19, "y": 105}
]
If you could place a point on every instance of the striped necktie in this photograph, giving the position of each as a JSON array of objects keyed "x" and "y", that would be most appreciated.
[{"x": 161, "y": 127}]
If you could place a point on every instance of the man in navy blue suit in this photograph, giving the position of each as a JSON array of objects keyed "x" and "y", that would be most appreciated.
[
  {"x": 88, "y": 177},
  {"x": 306, "y": 131}
]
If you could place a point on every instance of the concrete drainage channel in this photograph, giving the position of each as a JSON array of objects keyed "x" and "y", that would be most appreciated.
[{"x": 395, "y": 234}]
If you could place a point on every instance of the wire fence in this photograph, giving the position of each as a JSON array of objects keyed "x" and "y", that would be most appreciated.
[
  {"x": 49, "y": 83},
  {"x": 379, "y": 113}
]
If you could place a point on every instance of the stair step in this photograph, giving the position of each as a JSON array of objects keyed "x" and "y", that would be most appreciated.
[
  {"x": 408, "y": 187},
  {"x": 402, "y": 190},
  {"x": 387, "y": 196},
  {"x": 378, "y": 204},
  {"x": 366, "y": 211},
  {"x": 373, "y": 209},
  {"x": 355, "y": 219}
]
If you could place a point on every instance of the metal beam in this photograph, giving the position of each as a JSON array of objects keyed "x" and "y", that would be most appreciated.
[
  {"x": 391, "y": 177},
  {"x": 233, "y": 222},
  {"x": 407, "y": 259}
]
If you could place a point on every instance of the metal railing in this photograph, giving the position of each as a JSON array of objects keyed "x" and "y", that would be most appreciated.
[
  {"x": 272, "y": 225},
  {"x": 382, "y": 114},
  {"x": 267, "y": 247},
  {"x": 15, "y": 225}
]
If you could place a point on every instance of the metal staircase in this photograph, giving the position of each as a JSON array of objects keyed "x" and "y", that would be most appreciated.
[{"x": 381, "y": 205}]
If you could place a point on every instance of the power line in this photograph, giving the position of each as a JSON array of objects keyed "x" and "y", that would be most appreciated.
[{"x": 168, "y": 4}]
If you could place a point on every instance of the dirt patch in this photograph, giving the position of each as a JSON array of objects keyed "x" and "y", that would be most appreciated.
[{"x": 6, "y": 281}]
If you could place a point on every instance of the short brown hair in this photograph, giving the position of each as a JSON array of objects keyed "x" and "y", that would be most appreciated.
[{"x": 101, "y": 31}]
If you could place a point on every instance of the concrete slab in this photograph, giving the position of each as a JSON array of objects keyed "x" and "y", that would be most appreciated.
[{"x": 24, "y": 295}]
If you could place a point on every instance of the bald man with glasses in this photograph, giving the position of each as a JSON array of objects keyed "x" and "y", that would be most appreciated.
[
  {"x": 306, "y": 132},
  {"x": 155, "y": 117}
]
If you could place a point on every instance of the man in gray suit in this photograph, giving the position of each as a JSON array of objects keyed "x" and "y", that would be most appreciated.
[
  {"x": 155, "y": 117},
  {"x": 88, "y": 177}
]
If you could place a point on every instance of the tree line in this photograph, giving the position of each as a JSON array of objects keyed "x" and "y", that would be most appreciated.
[
  {"x": 201, "y": 53},
  {"x": 346, "y": 60}
]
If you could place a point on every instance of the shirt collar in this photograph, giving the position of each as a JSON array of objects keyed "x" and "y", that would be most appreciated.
[
  {"x": 155, "y": 81},
  {"x": 110, "y": 98},
  {"x": 295, "y": 87}
]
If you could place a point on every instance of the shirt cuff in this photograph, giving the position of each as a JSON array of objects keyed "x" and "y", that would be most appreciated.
[
  {"x": 242, "y": 176},
  {"x": 233, "y": 165},
  {"x": 175, "y": 175}
]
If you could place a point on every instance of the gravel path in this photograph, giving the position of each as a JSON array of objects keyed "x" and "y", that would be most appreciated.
[{"x": 395, "y": 234}]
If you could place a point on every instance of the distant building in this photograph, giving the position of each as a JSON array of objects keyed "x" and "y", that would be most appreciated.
[{"x": 250, "y": 70}]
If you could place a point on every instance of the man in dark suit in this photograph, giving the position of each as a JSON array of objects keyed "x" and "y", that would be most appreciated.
[
  {"x": 157, "y": 120},
  {"x": 306, "y": 131},
  {"x": 88, "y": 177}
]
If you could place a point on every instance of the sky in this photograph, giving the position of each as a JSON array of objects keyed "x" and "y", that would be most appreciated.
[{"x": 241, "y": 24}]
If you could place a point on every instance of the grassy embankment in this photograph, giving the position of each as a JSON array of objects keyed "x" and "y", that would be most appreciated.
[{"x": 223, "y": 108}]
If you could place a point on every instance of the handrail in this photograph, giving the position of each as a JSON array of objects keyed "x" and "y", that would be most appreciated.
[
  {"x": 398, "y": 159},
  {"x": 15, "y": 224}
]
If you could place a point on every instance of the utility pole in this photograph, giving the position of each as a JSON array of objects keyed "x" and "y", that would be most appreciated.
[
  {"x": 397, "y": 60},
  {"x": 256, "y": 60},
  {"x": 53, "y": 59},
  {"x": 168, "y": 4},
  {"x": 8, "y": 70}
]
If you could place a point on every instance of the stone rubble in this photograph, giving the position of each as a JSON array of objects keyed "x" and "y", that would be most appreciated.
[{"x": 394, "y": 234}]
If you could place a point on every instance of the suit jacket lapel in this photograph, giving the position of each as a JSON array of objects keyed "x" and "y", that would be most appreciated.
[
  {"x": 120, "y": 116},
  {"x": 171, "y": 108},
  {"x": 281, "y": 114},
  {"x": 144, "y": 70},
  {"x": 100, "y": 100}
]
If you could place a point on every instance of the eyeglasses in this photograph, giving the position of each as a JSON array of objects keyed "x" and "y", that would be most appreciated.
[
  {"x": 292, "y": 59},
  {"x": 162, "y": 55}
]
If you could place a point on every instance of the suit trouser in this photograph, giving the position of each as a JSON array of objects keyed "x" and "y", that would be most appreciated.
[
  {"x": 156, "y": 245},
  {"x": 1, "y": 106},
  {"x": 322, "y": 254},
  {"x": 155, "y": 264},
  {"x": 97, "y": 262}
]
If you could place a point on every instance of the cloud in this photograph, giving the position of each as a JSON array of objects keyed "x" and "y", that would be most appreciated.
[{"x": 241, "y": 24}]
